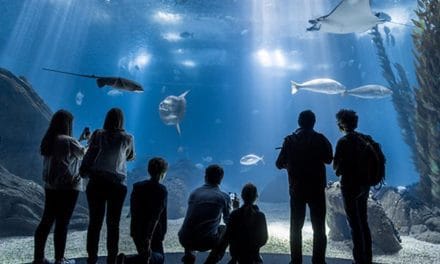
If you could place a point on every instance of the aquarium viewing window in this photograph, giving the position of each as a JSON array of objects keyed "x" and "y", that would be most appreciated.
[{"x": 217, "y": 82}]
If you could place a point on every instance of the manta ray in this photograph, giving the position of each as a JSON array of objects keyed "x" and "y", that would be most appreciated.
[{"x": 349, "y": 16}]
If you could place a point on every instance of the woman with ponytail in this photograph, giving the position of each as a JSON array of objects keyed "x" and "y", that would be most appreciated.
[{"x": 246, "y": 231}]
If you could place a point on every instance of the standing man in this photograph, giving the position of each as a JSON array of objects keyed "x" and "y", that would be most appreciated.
[
  {"x": 354, "y": 191},
  {"x": 304, "y": 155},
  {"x": 201, "y": 229}
]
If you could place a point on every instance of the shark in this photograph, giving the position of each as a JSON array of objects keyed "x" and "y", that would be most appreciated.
[{"x": 349, "y": 16}]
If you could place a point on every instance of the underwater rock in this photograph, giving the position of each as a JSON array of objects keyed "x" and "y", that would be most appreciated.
[
  {"x": 410, "y": 215},
  {"x": 276, "y": 191},
  {"x": 177, "y": 197},
  {"x": 24, "y": 118},
  {"x": 187, "y": 171},
  {"x": 21, "y": 206},
  {"x": 384, "y": 235}
]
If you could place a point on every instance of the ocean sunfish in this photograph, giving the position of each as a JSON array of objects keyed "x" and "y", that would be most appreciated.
[
  {"x": 251, "y": 159},
  {"x": 326, "y": 86},
  {"x": 371, "y": 91},
  {"x": 172, "y": 110},
  {"x": 349, "y": 16},
  {"x": 115, "y": 82}
]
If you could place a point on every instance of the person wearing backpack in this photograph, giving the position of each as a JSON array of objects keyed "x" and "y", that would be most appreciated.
[
  {"x": 105, "y": 164},
  {"x": 304, "y": 154},
  {"x": 62, "y": 156},
  {"x": 351, "y": 165}
]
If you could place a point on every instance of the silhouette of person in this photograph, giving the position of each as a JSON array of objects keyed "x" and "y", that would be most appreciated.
[
  {"x": 62, "y": 156},
  {"x": 107, "y": 188},
  {"x": 246, "y": 231},
  {"x": 304, "y": 154},
  {"x": 201, "y": 229},
  {"x": 354, "y": 192},
  {"x": 149, "y": 216}
]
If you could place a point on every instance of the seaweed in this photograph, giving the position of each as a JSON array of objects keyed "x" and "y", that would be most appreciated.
[
  {"x": 403, "y": 96},
  {"x": 426, "y": 38}
]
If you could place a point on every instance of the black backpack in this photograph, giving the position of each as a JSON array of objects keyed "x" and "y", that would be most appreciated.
[{"x": 370, "y": 161}]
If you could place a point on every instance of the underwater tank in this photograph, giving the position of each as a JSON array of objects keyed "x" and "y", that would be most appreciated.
[{"x": 223, "y": 82}]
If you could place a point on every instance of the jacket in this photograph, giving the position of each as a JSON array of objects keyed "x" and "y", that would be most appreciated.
[
  {"x": 115, "y": 149},
  {"x": 61, "y": 169},
  {"x": 304, "y": 155}
]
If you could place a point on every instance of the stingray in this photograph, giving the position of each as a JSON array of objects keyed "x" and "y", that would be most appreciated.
[
  {"x": 115, "y": 82},
  {"x": 349, "y": 16}
]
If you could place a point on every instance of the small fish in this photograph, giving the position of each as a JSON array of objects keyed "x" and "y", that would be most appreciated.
[
  {"x": 186, "y": 35},
  {"x": 79, "y": 98},
  {"x": 251, "y": 159},
  {"x": 115, "y": 82},
  {"x": 207, "y": 159},
  {"x": 200, "y": 166},
  {"x": 371, "y": 91},
  {"x": 244, "y": 32},
  {"x": 227, "y": 162},
  {"x": 326, "y": 86}
]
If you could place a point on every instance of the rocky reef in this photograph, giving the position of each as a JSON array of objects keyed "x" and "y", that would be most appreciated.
[
  {"x": 384, "y": 235},
  {"x": 24, "y": 118},
  {"x": 21, "y": 206},
  {"x": 276, "y": 191},
  {"x": 410, "y": 215}
]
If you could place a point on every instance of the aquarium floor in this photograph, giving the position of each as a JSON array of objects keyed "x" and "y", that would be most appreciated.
[{"x": 172, "y": 258}]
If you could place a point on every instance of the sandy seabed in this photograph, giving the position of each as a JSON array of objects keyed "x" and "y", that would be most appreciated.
[{"x": 20, "y": 249}]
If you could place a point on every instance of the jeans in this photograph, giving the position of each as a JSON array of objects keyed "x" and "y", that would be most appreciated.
[
  {"x": 355, "y": 204},
  {"x": 317, "y": 206},
  {"x": 102, "y": 194},
  {"x": 58, "y": 208},
  {"x": 216, "y": 244}
]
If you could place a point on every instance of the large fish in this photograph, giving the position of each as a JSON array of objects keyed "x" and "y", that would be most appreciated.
[
  {"x": 251, "y": 159},
  {"x": 371, "y": 91},
  {"x": 326, "y": 86},
  {"x": 172, "y": 110},
  {"x": 349, "y": 16},
  {"x": 115, "y": 82}
]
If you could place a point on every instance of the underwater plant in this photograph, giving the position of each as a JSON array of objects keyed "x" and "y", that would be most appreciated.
[
  {"x": 426, "y": 38},
  {"x": 403, "y": 95}
]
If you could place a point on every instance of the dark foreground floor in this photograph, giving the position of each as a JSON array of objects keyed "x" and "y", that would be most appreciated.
[{"x": 172, "y": 258}]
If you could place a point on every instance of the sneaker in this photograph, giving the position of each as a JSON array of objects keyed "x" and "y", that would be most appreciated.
[{"x": 65, "y": 261}]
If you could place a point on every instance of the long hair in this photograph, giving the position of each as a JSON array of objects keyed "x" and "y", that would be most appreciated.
[
  {"x": 60, "y": 124},
  {"x": 249, "y": 195},
  {"x": 114, "y": 120}
]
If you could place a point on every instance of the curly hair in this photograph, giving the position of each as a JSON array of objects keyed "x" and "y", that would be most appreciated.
[{"x": 347, "y": 119}]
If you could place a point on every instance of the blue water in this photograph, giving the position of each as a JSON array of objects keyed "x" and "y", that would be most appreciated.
[{"x": 238, "y": 103}]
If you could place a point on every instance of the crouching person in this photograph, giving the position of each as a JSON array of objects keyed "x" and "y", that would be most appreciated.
[
  {"x": 201, "y": 229},
  {"x": 149, "y": 216},
  {"x": 246, "y": 231}
]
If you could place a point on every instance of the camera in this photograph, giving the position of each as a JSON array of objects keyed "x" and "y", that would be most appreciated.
[{"x": 235, "y": 201}]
